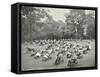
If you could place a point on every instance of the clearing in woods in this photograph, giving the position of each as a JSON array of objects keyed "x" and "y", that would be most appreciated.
[{"x": 29, "y": 63}]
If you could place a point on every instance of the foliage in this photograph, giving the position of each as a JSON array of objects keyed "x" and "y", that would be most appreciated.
[{"x": 37, "y": 23}]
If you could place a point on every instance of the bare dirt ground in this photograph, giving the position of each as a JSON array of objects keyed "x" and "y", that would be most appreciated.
[{"x": 29, "y": 63}]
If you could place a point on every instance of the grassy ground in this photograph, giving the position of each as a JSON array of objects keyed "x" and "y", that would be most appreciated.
[{"x": 29, "y": 63}]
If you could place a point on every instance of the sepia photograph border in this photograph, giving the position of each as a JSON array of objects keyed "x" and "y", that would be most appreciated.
[{"x": 17, "y": 18}]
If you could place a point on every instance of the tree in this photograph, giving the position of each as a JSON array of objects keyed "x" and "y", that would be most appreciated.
[
  {"x": 75, "y": 22},
  {"x": 31, "y": 22},
  {"x": 90, "y": 21}
]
